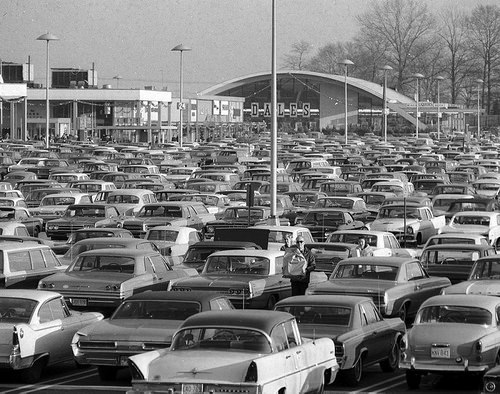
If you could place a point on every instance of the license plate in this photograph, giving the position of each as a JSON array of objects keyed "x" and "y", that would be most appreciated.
[
  {"x": 192, "y": 388},
  {"x": 123, "y": 361},
  {"x": 440, "y": 352},
  {"x": 79, "y": 301}
]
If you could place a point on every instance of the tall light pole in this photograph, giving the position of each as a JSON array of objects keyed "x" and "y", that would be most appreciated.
[
  {"x": 346, "y": 63},
  {"x": 385, "y": 111},
  {"x": 479, "y": 83},
  {"x": 117, "y": 77},
  {"x": 180, "y": 48},
  {"x": 438, "y": 80},
  {"x": 417, "y": 76},
  {"x": 47, "y": 37}
]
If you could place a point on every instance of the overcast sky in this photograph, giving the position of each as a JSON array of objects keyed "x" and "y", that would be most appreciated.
[{"x": 133, "y": 38}]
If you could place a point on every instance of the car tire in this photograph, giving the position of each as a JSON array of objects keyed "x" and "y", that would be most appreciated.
[
  {"x": 403, "y": 312},
  {"x": 390, "y": 364},
  {"x": 107, "y": 374},
  {"x": 34, "y": 373},
  {"x": 353, "y": 375},
  {"x": 413, "y": 379},
  {"x": 36, "y": 232}
]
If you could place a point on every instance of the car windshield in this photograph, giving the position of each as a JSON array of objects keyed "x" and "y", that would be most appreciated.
[
  {"x": 354, "y": 238},
  {"x": 156, "y": 310},
  {"x": 57, "y": 201},
  {"x": 237, "y": 265},
  {"x": 160, "y": 211},
  {"x": 198, "y": 254},
  {"x": 16, "y": 310},
  {"x": 162, "y": 235},
  {"x": 92, "y": 212},
  {"x": 487, "y": 186},
  {"x": 334, "y": 203},
  {"x": 324, "y": 218},
  {"x": 442, "y": 203},
  {"x": 489, "y": 269},
  {"x": 218, "y": 338},
  {"x": 123, "y": 199},
  {"x": 313, "y": 314},
  {"x": 398, "y": 213},
  {"x": 365, "y": 271},
  {"x": 76, "y": 249},
  {"x": 105, "y": 263},
  {"x": 474, "y": 220},
  {"x": 243, "y": 213},
  {"x": 454, "y": 314},
  {"x": 447, "y": 256}
]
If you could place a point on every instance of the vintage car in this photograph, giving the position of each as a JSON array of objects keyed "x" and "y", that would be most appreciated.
[
  {"x": 453, "y": 261},
  {"x": 250, "y": 278},
  {"x": 409, "y": 223},
  {"x": 174, "y": 213},
  {"x": 237, "y": 351},
  {"x": 53, "y": 206},
  {"x": 80, "y": 216},
  {"x": 143, "y": 322},
  {"x": 14, "y": 228},
  {"x": 173, "y": 240},
  {"x": 452, "y": 334},
  {"x": 362, "y": 336},
  {"x": 328, "y": 254},
  {"x": 397, "y": 285},
  {"x": 101, "y": 279},
  {"x": 354, "y": 205},
  {"x": 84, "y": 233},
  {"x": 87, "y": 244},
  {"x": 476, "y": 222},
  {"x": 22, "y": 215},
  {"x": 196, "y": 255},
  {"x": 321, "y": 222},
  {"x": 484, "y": 279},
  {"x": 129, "y": 201},
  {"x": 441, "y": 203},
  {"x": 23, "y": 264},
  {"x": 36, "y": 328},
  {"x": 457, "y": 238},
  {"x": 240, "y": 216}
]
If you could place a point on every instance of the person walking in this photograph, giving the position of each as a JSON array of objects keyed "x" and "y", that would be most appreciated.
[{"x": 300, "y": 283}]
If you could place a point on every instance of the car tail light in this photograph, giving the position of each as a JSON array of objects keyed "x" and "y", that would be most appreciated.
[
  {"x": 479, "y": 347},
  {"x": 339, "y": 350},
  {"x": 251, "y": 375}
]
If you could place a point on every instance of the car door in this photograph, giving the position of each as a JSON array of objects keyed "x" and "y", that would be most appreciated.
[
  {"x": 422, "y": 287},
  {"x": 290, "y": 367},
  {"x": 374, "y": 336}
]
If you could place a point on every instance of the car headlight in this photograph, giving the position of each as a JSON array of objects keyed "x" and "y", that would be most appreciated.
[
  {"x": 59, "y": 213},
  {"x": 181, "y": 289},
  {"x": 409, "y": 230},
  {"x": 53, "y": 227},
  {"x": 113, "y": 287},
  {"x": 403, "y": 344},
  {"x": 210, "y": 229}
]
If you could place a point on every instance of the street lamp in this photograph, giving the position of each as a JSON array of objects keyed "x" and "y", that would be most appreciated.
[
  {"x": 479, "y": 83},
  {"x": 385, "y": 69},
  {"x": 180, "y": 48},
  {"x": 346, "y": 63},
  {"x": 438, "y": 80},
  {"x": 117, "y": 77},
  {"x": 47, "y": 37},
  {"x": 417, "y": 76}
]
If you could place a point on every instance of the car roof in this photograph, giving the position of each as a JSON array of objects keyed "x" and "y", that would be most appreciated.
[
  {"x": 195, "y": 295},
  {"x": 480, "y": 301},
  {"x": 262, "y": 320},
  {"x": 458, "y": 246},
  {"x": 128, "y": 252},
  {"x": 393, "y": 261},
  {"x": 9, "y": 246},
  {"x": 223, "y": 244},
  {"x": 324, "y": 299},
  {"x": 36, "y": 295},
  {"x": 249, "y": 252}
]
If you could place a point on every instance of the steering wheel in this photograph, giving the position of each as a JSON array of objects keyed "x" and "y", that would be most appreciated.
[
  {"x": 10, "y": 313},
  {"x": 449, "y": 260},
  {"x": 112, "y": 267},
  {"x": 225, "y": 335}
]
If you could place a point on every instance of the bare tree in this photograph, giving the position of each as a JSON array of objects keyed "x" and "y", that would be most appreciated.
[
  {"x": 401, "y": 25},
  {"x": 327, "y": 59},
  {"x": 459, "y": 62},
  {"x": 297, "y": 58},
  {"x": 484, "y": 32}
]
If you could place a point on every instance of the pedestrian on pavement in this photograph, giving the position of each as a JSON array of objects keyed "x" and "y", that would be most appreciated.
[{"x": 300, "y": 283}]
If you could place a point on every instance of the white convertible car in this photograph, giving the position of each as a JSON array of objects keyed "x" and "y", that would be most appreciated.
[{"x": 250, "y": 351}]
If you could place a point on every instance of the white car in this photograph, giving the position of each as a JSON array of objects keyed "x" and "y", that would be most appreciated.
[
  {"x": 475, "y": 222},
  {"x": 173, "y": 240}
]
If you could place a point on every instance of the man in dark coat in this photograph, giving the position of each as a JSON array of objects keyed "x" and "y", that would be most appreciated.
[{"x": 300, "y": 283}]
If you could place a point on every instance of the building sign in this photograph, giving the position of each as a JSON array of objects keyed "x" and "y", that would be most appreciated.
[
  {"x": 281, "y": 110},
  {"x": 194, "y": 110},
  {"x": 216, "y": 110},
  {"x": 224, "y": 108}
]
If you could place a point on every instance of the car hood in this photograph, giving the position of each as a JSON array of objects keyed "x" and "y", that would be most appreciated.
[
  {"x": 481, "y": 287},
  {"x": 466, "y": 229},
  {"x": 81, "y": 220},
  {"x": 70, "y": 280},
  {"x": 446, "y": 333},
  {"x": 214, "y": 282},
  {"x": 148, "y": 330},
  {"x": 366, "y": 287},
  {"x": 208, "y": 365},
  {"x": 391, "y": 224}
]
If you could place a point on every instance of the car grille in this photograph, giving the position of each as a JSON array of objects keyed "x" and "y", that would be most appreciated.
[
  {"x": 134, "y": 227},
  {"x": 122, "y": 346}
]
